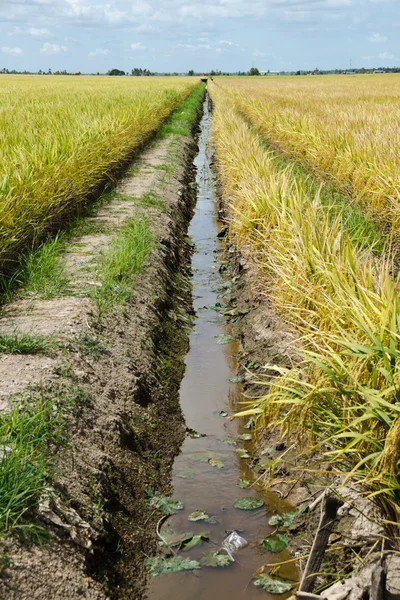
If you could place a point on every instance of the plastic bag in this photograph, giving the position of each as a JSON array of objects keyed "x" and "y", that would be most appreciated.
[{"x": 232, "y": 543}]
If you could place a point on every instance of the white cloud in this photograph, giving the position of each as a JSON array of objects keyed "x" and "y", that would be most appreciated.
[
  {"x": 48, "y": 48},
  {"x": 99, "y": 52},
  {"x": 388, "y": 56},
  {"x": 138, "y": 46},
  {"x": 377, "y": 38},
  {"x": 39, "y": 32},
  {"x": 258, "y": 54},
  {"x": 226, "y": 43},
  {"x": 13, "y": 51}
]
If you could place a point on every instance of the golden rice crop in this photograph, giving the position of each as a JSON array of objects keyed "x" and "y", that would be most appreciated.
[
  {"x": 341, "y": 300},
  {"x": 62, "y": 136},
  {"x": 346, "y": 128}
]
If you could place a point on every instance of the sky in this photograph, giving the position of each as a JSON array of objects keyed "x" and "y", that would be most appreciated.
[{"x": 173, "y": 35}]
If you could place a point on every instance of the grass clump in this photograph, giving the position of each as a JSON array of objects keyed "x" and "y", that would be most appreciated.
[
  {"x": 181, "y": 121},
  {"x": 43, "y": 272},
  {"x": 151, "y": 200},
  {"x": 24, "y": 343},
  {"x": 123, "y": 260},
  {"x": 28, "y": 436},
  {"x": 340, "y": 299}
]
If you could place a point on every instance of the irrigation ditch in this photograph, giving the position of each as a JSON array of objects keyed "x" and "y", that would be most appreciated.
[{"x": 145, "y": 393}]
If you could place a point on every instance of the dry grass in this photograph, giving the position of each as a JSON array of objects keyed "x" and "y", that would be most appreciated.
[
  {"x": 341, "y": 300},
  {"x": 347, "y": 128},
  {"x": 61, "y": 136}
]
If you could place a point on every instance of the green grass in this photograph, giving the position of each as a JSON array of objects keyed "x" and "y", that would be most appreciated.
[
  {"x": 43, "y": 272},
  {"x": 28, "y": 436},
  {"x": 24, "y": 344},
  {"x": 118, "y": 266},
  {"x": 91, "y": 345},
  {"x": 181, "y": 121},
  {"x": 151, "y": 200}
]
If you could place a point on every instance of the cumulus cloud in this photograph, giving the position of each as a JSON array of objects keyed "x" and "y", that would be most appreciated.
[
  {"x": 388, "y": 56},
  {"x": 138, "y": 46},
  {"x": 13, "y": 51},
  {"x": 99, "y": 52},
  {"x": 49, "y": 49},
  {"x": 39, "y": 32},
  {"x": 377, "y": 38}
]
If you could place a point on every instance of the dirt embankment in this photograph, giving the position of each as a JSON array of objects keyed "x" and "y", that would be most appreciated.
[{"x": 127, "y": 427}]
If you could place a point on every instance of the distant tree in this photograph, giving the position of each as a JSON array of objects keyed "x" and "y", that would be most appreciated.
[
  {"x": 116, "y": 72},
  {"x": 254, "y": 71},
  {"x": 191, "y": 73},
  {"x": 49, "y": 72},
  {"x": 136, "y": 72}
]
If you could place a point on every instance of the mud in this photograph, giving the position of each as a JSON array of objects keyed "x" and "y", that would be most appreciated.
[{"x": 128, "y": 429}]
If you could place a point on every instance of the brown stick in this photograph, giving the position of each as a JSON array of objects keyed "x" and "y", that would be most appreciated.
[{"x": 329, "y": 509}]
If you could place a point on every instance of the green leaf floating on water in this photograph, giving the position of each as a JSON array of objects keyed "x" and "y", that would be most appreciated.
[
  {"x": 214, "y": 559},
  {"x": 177, "y": 540},
  {"x": 186, "y": 473},
  {"x": 266, "y": 452},
  {"x": 194, "y": 434},
  {"x": 276, "y": 543},
  {"x": 273, "y": 586},
  {"x": 237, "y": 379},
  {"x": 242, "y": 452},
  {"x": 196, "y": 539},
  {"x": 245, "y": 437},
  {"x": 248, "y": 503},
  {"x": 229, "y": 441},
  {"x": 244, "y": 483},
  {"x": 167, "y": 505},
  {"x": 160, "y": 565},
  {"x": 284, "y": 520},
  {"x": 224, "y": 338},
  {"x": 199, "y": 515},
  {"x": 215, "y": 462}
]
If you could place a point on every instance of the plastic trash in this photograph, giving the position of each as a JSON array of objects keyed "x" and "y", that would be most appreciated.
[{"x": 232, "y": 543}]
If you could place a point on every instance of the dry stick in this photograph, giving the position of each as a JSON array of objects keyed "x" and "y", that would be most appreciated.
[{"x": 329, "y": 509}]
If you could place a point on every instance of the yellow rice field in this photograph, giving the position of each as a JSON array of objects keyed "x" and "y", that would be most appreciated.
[
  {"x": 346, "y": 128},
  {"x": 61, "y": 136},
  {"x": 340, "y": 300}
]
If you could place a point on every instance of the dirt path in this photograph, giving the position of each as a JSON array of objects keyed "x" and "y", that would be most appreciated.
[{"x": 126, "y": 427}]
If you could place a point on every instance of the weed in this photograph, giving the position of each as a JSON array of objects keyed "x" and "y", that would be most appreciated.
[
  {"x": 28, "y": 436},
  {"x": 43, "y": 272},
  {"x": 120, "y": 263},
  {"x": 151, "y": 200},
  {"x": 19, "y": 343},
  {"x": 91, "y": 346},
  {"x": 181, "y": 121}
]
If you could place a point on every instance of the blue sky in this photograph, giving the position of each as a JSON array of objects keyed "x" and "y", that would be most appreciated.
[{"x": 173, "y": 35}]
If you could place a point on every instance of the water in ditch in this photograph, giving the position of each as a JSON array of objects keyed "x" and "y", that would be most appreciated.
[{"x": 206, "y": 396}]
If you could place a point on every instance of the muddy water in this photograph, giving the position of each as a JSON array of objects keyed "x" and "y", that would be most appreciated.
[{"x": 206, "y": 392}]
